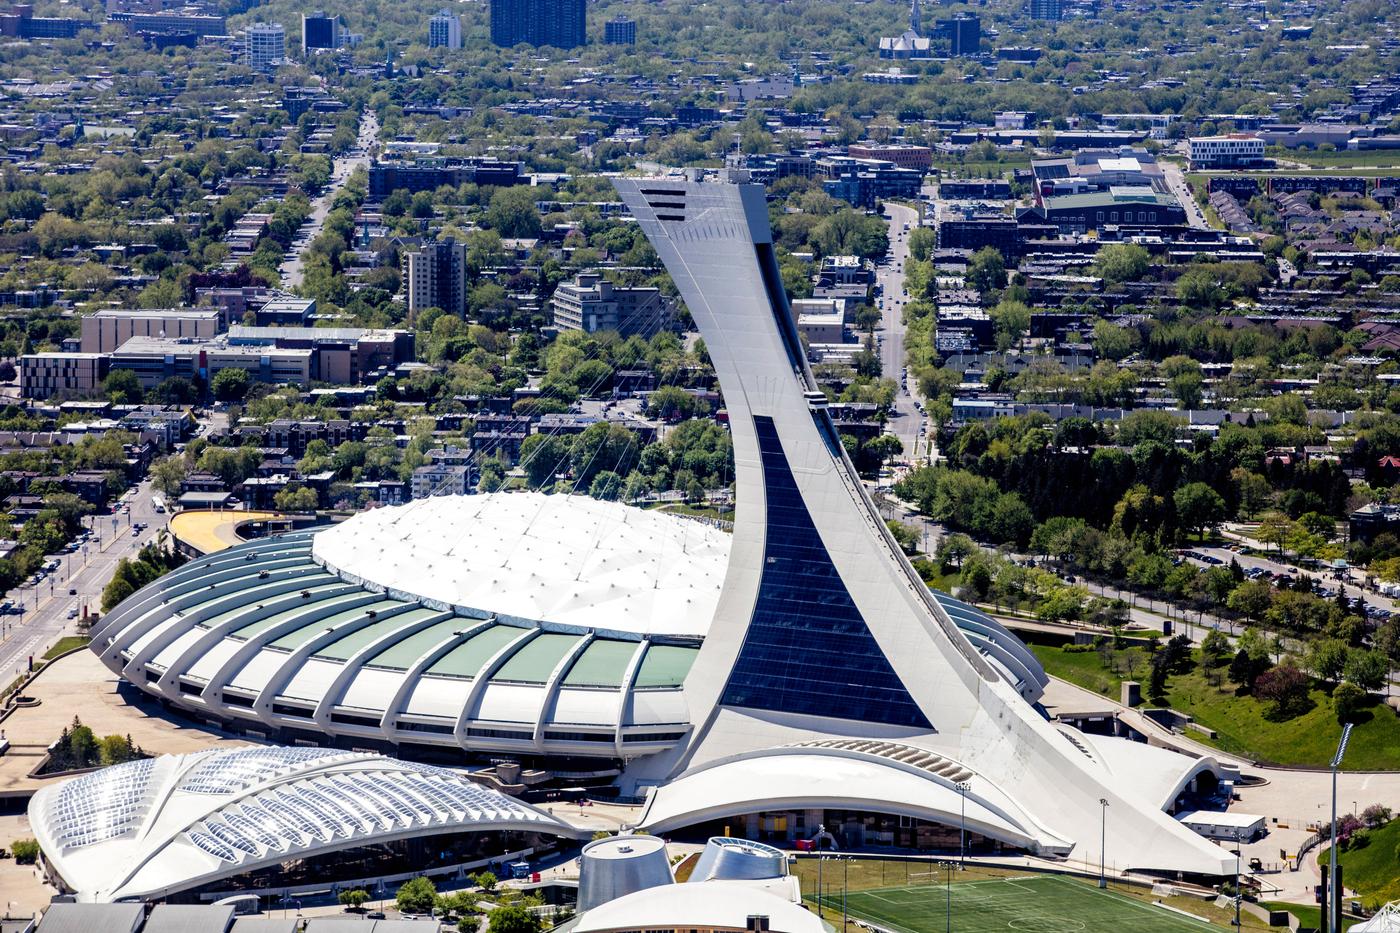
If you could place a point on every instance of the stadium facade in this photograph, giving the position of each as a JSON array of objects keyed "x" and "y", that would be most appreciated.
[{"x": 798, "y": 666}]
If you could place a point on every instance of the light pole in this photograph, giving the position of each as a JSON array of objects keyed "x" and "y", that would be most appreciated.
[
  {"x": 820, "y": 859},
  {"x": 948, "y": 897},
  {"x": 1334, "y": 904},
  {"x": 845, "y": 865},
  {"x": 1237, "y": 877},
  {"x": 1103, "y": 840},
  {"x": 963, "y": 788}
]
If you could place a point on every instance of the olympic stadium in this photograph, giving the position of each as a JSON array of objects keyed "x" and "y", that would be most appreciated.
[
  {"x": 792, "y": 679},
  {"x": 552, "y": 627}
]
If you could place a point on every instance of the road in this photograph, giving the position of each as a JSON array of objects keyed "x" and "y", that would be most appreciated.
[
  {"x": 1326, "y": 580},
  {"x": 87, "y": 571},
  {"x": 1176, "y": 183},
  {"x": 906, "y": 420},
  {"x": 293, "y": 269}
]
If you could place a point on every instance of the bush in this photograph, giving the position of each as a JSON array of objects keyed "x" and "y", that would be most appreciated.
[
  {"x": 26, "y": 851},
  {"x": 1348, "y": 700},
  {"x": 354, "y": 899},
  {"x": 416, "y": 896},
  {"x": 513, "y": 920}
]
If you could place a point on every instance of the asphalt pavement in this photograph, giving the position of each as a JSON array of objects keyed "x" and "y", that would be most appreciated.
[
  {"x": 293, "y": 268},
  {"x": 906, "y": 420},
  {"x": 48, "y": 605}
]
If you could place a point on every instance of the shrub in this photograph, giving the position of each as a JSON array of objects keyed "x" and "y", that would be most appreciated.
[
  {"x": 416, "y": 896},
  {"x": 353, "y": 899},
  {"x": 26, "y": 851},
  {"x": 1348, "y": 700}
]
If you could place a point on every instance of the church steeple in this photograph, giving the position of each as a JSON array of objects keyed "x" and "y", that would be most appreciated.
[{"x": 914, "y": 25}]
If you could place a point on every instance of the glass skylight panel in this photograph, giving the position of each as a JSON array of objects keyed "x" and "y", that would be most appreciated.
[
  {"x": 293, "y": 818},
  {"x": 230, "y": 837},
  {"x": 355, "y": 802},
  {"x": 253, "y": 830},
  {"x": 310, "y": 820},
  {"x": 393, "y": 791},
  {"x": 102, "y": 805},
  {"x": 275, "y": 822},
  {"x": 233, "y": 771},
  {"x": 213, "y": 846}
]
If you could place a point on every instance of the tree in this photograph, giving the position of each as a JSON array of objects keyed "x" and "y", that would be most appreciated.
[
  {"x": 1246, "y": 668},
  {"x": 513, "y": 919},
  {"x": 1197, "y": 289},
  {"x": 1121, "y": 262},
  {"x": 1285, "y": 688},
  {"x": 296, "y": 499},
  {"x": 1215, "y": 647},
  {"x": 1012, "y": 320},
  {"x": 485, "y": 880},
  {"x": 1367, "y": 669},
  {"x": 168, "y": 476},
  {"x": 905, "y": 535},
  {"x": 1377, "y": 814},
  {"x": 230, "y": 385},
  {"x": 607, "y": 485},
  {"x": 416, "y": 896},
  {"x": 987, "y": 270},
  {"x": 1348, "y": 700},
  {"x": 353, "y": 899},
  {"x": 512, "y": 212},
  {"x": 1198, "y": 507},
  {"x": 122, "y": 387},
  {"x": 1327, "y": 658},
  {"x": 1274, "y": 528},
  {"x": 1250, "y": 599}
]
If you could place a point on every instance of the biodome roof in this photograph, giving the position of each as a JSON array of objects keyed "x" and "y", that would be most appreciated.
[
  {"x": 567, "y": 560},
  {"x": 161, "y": 825}
]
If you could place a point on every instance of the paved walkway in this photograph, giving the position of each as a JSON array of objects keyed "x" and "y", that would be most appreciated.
[{"x": 79, "y": 685}]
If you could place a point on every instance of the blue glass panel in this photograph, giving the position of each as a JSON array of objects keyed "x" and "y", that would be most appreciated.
[{"x": 808, "y": 650}]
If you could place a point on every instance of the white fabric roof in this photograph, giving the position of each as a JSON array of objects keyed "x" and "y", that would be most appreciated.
[
  {"x": 714, "y": 904},
  {"x": 567, "y": 560}
]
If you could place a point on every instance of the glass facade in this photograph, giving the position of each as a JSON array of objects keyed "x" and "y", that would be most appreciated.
[{"x": 808, "y": 650}]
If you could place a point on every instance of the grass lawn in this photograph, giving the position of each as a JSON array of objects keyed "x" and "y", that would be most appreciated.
[
  {"x": 1372, "y": 158},
  {"x": 66, "y": 643},
  {"x": 1081, "y": 668},
  {"x": 1240, "y": 723},
  {"x": 1309, "y": 915},
  {"x": 1042, "y": 904},
  {"x": 1372, "y": 869}
]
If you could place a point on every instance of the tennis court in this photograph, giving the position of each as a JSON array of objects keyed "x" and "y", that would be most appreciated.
[{"x": 1038, "y": 904}]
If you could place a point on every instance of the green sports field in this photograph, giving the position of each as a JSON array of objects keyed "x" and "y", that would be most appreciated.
[{"x": 1038, "y": 904}]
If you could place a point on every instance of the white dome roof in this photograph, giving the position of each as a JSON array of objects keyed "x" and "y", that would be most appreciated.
[{"x": 567, "y": 560}]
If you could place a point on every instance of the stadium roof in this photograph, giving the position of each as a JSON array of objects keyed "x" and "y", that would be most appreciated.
[
  {"x": 157, "y": 826},
  {"x": 567, "y": 560}
]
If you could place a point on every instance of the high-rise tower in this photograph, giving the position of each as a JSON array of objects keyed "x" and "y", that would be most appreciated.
[{"x": 825, "y": 640}]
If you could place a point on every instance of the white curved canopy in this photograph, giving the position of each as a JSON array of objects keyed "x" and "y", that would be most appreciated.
[{"x": 154, "y": 827}]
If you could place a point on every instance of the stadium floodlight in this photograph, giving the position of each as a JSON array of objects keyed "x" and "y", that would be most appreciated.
[
  {"x": 1333, "y": 921},
  {"x": 1103, "y": 839},
  {"x": 963, "y": 788}
]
